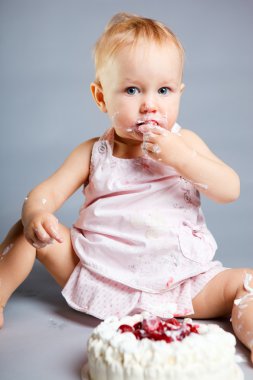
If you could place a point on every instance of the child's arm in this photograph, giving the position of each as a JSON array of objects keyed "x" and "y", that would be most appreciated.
[
  {"x": 40, "y": 225},
  {"x": 191, "y": 157}
]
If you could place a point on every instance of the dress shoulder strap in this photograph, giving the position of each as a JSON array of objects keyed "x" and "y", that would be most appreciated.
[
  {"x": 102, "y": 148},
  {"x": 108, "y": 136},
  {"x": 176, "y": 128}
]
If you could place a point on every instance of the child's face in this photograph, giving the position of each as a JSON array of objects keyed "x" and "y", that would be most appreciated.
[{"x": 141, "y": 87}]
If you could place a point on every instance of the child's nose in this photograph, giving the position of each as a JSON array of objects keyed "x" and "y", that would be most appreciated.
[{"x": 148, "y": 107}]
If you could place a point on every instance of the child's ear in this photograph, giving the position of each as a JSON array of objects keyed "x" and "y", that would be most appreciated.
[
  {"x": 182, "y": 87},
  {"x": 98, "y": 95}
]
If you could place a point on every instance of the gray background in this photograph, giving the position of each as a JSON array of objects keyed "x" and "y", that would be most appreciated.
[{"x": 46, "y": 110}]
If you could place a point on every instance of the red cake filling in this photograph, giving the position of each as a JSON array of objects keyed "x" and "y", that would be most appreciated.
[{"x": 154, "y": 328}]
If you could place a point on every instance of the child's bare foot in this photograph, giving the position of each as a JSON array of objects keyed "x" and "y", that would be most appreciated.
[{"x": 1, "y": 316}]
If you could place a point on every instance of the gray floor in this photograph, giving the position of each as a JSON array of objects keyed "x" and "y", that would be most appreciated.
[{"x": 44, "y": 339}]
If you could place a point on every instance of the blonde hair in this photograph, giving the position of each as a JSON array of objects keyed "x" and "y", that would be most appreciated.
[{"x": 126, "y": 29}]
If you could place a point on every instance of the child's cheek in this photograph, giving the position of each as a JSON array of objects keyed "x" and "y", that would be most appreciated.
[{"x": 122, "y": 121}]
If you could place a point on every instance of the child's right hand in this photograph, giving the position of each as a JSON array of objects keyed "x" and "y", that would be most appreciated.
[{"x": 42, "y": 229}]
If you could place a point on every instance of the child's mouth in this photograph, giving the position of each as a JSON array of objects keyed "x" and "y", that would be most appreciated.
[
  {"x": 144, "y": 126},
  {"x": 147, "y": 122}
]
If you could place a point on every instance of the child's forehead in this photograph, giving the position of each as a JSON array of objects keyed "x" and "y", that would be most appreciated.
[
  {"x": 143, "y": 53},
  {"x": 147, "y": 55},
  {"x": 143, "y": 66},
  {"x": 145, "y": 46},
  {"x": 143, "y": 58}
]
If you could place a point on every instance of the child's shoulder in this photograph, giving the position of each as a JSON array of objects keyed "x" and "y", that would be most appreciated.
[
  {"x": 83, "y": 150},
  {"x": 192, "y": 139},
  {"x": 198, "y": 145},
  {"x": 90, "y": 142},
  {"x": 188, "y": 134},
  {"x": 86, "y": 145}
]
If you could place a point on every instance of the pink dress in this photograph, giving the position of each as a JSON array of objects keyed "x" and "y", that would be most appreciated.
[{"x": 141, "y": 238}]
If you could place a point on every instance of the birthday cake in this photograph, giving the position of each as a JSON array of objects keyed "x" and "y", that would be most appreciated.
[{"x": 144, "y": 347}]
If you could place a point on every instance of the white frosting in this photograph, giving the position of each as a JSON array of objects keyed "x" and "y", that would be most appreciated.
[{"x": 208, "y": 355}]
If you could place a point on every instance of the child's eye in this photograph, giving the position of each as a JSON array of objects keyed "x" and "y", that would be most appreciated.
[
  {"x": 132, "y": 90},
  {"x": 164, "y": 90}
]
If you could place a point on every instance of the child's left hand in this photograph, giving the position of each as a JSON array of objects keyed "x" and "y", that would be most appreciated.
[{"x": 163, "y": 145}]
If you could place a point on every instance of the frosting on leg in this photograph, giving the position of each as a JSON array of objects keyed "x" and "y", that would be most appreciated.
[{"x": 242, "y": 312}]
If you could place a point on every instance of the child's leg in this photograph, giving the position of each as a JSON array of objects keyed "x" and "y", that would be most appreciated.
[
  {"x": 17, "y": 257},
  {"x": 16, "y": 261},
  {"x": 217, "y": 299}
]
